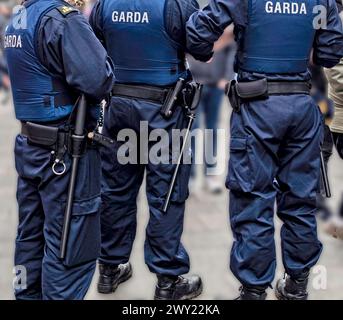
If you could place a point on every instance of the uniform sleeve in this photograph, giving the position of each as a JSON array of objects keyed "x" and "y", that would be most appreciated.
[
  {"x": 177, "y": 13},
  {"x": 328, "y": 44},
  {"x": 69, "y": 48},
  {"x": 206, "y": 26},
  {"x": 95, "y": 21}
]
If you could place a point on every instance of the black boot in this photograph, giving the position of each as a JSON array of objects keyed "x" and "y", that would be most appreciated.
[
  {"x": 252, "y": 293},
  {"x": 112, "y": 276},
  {"x": 292, "y": 289},
  {"x": 178, "y": 288}
]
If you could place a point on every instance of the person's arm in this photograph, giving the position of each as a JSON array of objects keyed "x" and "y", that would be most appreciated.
[
  {"x": 95, "y": 20},
  {"x": 205, "y": 27},
  {"x": 69, "y": 48},
  {"x": 177, "y": 13},
  {"x": 230, "y": 61},
  {"x": 328, "y": 44}
]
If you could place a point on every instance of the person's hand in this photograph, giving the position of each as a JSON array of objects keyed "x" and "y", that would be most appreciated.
[
  {"x": 222, "y": 84},
  {"x": 225, "y": 40},
  {"x": 6, "y": 81}
]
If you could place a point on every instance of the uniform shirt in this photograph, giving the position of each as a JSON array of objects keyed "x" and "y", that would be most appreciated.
[
  {"x": 68, "y": 47},
  {"x": 177, "y": 13},
  {"x": 206, "y": 26}
]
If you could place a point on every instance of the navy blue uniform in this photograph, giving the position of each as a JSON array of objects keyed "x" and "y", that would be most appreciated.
[
  {"x": 275, "y": 143},
  {"x": 51, "y": 60},
  {"x": 146, "y": 40}
]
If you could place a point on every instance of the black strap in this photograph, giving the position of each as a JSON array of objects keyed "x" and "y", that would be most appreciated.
[
  {"x": 291, "y": 87},
  {"x": 63, "y": 100},
  {"x": 154, "y": 94}
]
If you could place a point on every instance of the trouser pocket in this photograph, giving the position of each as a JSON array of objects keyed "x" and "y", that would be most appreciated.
[
  {"x": 241, "y": 166},
  {"x": 84, "y": 235},
  {"x": 181, "y": 191}
]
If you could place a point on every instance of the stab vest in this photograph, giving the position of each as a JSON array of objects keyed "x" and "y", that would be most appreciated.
[
  {"x": 278, "y": 37},
  {"x": 37, "y": 94},
  {"x": 137, "y": 41}
]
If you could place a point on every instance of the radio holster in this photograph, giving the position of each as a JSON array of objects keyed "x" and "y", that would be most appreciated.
[{"x": 239, "y": 92}]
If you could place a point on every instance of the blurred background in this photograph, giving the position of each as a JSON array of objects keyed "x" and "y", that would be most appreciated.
[{"x": 207, "y": 234}]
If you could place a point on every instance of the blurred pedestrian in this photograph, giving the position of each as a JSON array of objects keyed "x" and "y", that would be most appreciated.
[
  {"x": 319, "y": 92},
  {"x": 214, "y": 75},
  {"x": 335, "y": 79}
]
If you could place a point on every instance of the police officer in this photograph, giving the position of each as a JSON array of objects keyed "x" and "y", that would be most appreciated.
[
  {"x": 146, "y": 40},
  {"x": 275, "y": 132},
  {"x": 53, "y": 56}
]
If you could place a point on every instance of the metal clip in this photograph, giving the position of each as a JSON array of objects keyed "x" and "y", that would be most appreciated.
[{"x": 61, "y": 164}]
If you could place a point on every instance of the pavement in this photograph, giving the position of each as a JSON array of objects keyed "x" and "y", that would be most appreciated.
[{"x": 207, "y": 235}]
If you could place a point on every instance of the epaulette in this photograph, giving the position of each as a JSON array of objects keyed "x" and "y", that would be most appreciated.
[{"x": 65, "y": 10}]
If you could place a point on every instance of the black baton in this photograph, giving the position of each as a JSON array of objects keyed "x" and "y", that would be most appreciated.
[
  {"x": 78, "y": 139},
  {"x": 191, "y": 116},
  {"x": 324, "y": 174}
]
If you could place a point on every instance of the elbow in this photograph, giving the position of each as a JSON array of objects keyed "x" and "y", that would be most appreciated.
[
  {"x": 330, "y": 64},
  {"x": 200, "y": 50},
  {"x": 201, "y": 57},
  {"x": 196, "y": 45},
  {"x": 101, "y": 86},
  {"x": 326, "y": 62},
  {"x": 100, "y": 89}
]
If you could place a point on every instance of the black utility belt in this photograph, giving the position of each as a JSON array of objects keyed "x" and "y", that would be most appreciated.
[
  {"x": 239, "y": 92},
  {"x": 181, "y": 94},
  {"x": 60, "y": 138},
  {"x": 151, "y": 93}
]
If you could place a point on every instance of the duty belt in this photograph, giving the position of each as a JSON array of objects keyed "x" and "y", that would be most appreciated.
[
  {"x": 151, "y": 93},
  {"x": 296, "y": 87},
  {"x": 239, "y": 92}
]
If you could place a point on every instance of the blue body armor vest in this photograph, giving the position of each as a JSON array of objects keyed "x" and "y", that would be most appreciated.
[
  {"x": 278, "y": 37},
  {"x": 137, "y": 41},
  {"x": 37, "y": 94}
]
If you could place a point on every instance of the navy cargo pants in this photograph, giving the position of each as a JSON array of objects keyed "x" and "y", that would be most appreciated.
[
  {"x": 274, "y": 156},
  {"x": 42, "y": 198},
  {"x": 164, "y": 253}
]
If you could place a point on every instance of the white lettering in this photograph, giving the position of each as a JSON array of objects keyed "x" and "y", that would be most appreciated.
[
  {"x": 278, "y": 8},
  {"x": 145, "y": 18},
  {"x": 269, "y": 7},
  {"x": 13, "y": 41},
  {"x": 295, "y": 8},
  {"x": 285, "y": 7},
  {"x": 130, "y": 17},
  {"x": 137, "y": 18},
  {"x": 122, "y": 17},
  {"x": 303, "y": 9},
  {"x": 115, "y": 16}
]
